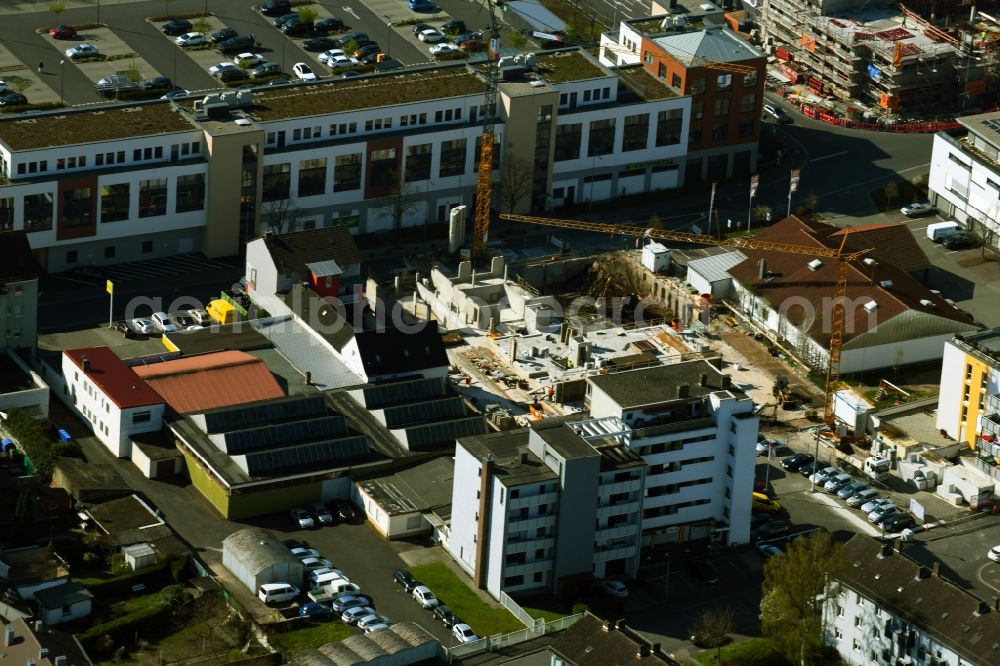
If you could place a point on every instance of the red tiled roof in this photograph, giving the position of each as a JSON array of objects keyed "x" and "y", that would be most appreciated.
[
  {"x": 115, "y": 379},
  {"x": 206, "y": 381},
  {"x": 894, "y": 244},
  {"x": 791, "y": 281}
]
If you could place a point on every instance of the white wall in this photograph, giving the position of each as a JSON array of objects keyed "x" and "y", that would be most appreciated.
[
  {"x": 142, "y": 461},
  {"x": 464, "y": 507},
  {"x": 58, "y": 615},
  {"x": 967, "y": 189},
  {"x": 260, "y": 266}
]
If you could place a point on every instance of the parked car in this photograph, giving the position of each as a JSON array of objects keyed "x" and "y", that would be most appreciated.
[
  {"x": 82, "y": 51},
  {"x": 796, "y": 461},
  {"x": 275, "y": 7},
  {"x": 420, "y": 27},
  {"x": 472, "y": 45},
  {"x": 960, "y": 241},
  {"x": 770, "y": 530},
  {"x": 465, "y": 36},
  {"x": 112, "y": 84},
  {"x": 340, "y": 61},
  {"x": 809, "y": 469},
  {"x": 352, "y": 615},
  {"x": 350, "y": 75},
  {"x": 345, "y": 510},
  {"x": 366, "y": 50},
  {"x": 376, "y": 627},
  {"x": 823, "y": 475},
  {"x": 327, "y": 25},
  {"x": 296, "y": 28},
  {"x": 285, "y": 18},
  {"x": 453, "y": 27},
  {"x": 873, "y": 504},
  {"x": 836, "y": 482},
  {"x": 175, "y": 93},
  {"x": 422, "y": 5},
  {"x": 777, "y": 113},
  {"x": 176, "y": 27},
  {"x": 159, "y": 83},
  {"x": 265, "y": 68},
  {"x": 63, "y": 32},
  {"x": 247, "y": 60},
  {"x": 703, "y": 571},
  {"x": 319, "y": 44},
  {"x": 405, "y": 578},
  {"x": 143, "y": 326},
  {"x": 761, "y": 502},
  {"x": 316, "y": 611},
  {"x": 185, "y": 323},
  {"x": 767, "y": 550},
  {"x": 125, "y": 329},
  {"x": 994, "y": 553},
  {"x": 303, "y": 72},
  {"x": 237, "y": 44},
  {"x": 425, "y": 597},
  {"x": 199, "y": 316},
  {"x": 917, "y": 209},
  {"x": 443, "y": 49},
  {"x": 222, "y": 35},
  {"x": 881, "y": 512},
  {"x": 430, "y": 36},
  {"x": 191, "y": 39},
  {"x": 445, "y": 615},
  {"x": 464, "y": 633},
  {"x": 216, "y": 70},
  {"x": 162, "y": 322},
  {"x": 897, "y": 522},
  {"x": 277, "y": 593},
  {"x": 851, "y": 488},
  {"x": 302, "y": 518},
  {"x": 862, "y": 497},
  {"x": 234, "y": 74},
  {"x": 310, "y": 564},
  {"x": 348, "y": 601},
  {"x": 370, "y": 620},
  {"x": 614, "y": 588}
]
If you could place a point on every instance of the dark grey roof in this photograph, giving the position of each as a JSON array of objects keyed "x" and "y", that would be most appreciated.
[
  {"x": 592, "y": 641},
  {"x": 939, "y": 607},
  {"x": 647, "y": 386},
  {"x": 419, "y": 488},
  {"x": 366, "y": 648},
  {"x": 67, "y": 594},
  {"x": 319, "y": 315},
  {"x": 291, "y": 252},
  {"x": 433, "y": 435},
  {"x": 238, "y": 336},
  {"x": 507, "y": 448},
  {"x": 395, "y": 351},
  {"x": 16, "y": 260},
  {"x": 376, "y": 396},
  {"x": 563, "y": 439},
  {"x": 261, "y": 413},
  {"x": 414, "y": 413}
]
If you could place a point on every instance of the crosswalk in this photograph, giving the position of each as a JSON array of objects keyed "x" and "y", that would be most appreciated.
[{"x": 181, "y": 264}]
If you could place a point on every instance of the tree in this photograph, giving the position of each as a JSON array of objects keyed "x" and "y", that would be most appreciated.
[
  {"x": 517, "y": 40},
  {"x": 515, "y": 181},
  {"x": 134, "y": 73},
  {"x": 277, "y": 216},
  {"x": 891, "y": 191},
  {"x": 202, "y": 25},
  {"x": 57, "y": 7},
  {"x": 812, "y": 202},
  {"x": 796, "y": 587},
  {"x": 712, "y": 629},
  {"x": 400, "y": 200},
  {"x": 307, "y": 14},
  {"x": 762, "y": 213}
]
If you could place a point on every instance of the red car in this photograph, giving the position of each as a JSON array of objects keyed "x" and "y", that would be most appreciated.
[
  {"x": 472, "y": 45},
  {"x": 63, "y": 32}
]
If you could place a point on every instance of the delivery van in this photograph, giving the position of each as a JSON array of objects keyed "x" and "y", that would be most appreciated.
[
  {"x": 277, "y": 593},
  {"x": 221, "y": 311},
  {"x": 321, "y": 577},
  {"x": 938, "y": 231},
  {"x": 762, "y": 502},
  {"x": 335, "y": 588}
]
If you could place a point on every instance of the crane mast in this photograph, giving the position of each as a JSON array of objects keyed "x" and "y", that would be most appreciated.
[{"x": 484, "y": 176}]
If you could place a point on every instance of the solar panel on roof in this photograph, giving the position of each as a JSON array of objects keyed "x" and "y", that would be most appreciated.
[
  {"x": 397, "y": 392},
  {"x": 279, "y": 435},
  {"x": 241, "y": 417},
  {"x": 993, "y": 125},
  {"x": 421, "y": 412},
  {"x": 313, "y": 455},
  {"x": 426, "y": 436}
]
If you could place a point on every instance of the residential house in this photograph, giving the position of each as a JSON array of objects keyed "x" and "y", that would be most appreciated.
[
  {"x": 591, "y": 641},
  {"x": 64, "y": 603},
  {"x": 26, "y": 641}
]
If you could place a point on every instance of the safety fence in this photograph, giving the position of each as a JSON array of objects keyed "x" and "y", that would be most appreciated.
[{"x": 500, "y": 641}]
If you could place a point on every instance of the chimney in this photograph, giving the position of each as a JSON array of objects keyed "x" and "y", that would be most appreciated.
[
  {"x": 727, "y": 381},
  {"x": 60, "y": 661},
  {"x": 643, "y": 651},
  {"x": 37, "y": 626},
  {"x": 983, "y": 609},
  {"x": 85, "y": 362},
  {"x": 923, "y": 573},
  {"x": 309, "y": 378},
  {"x": 43, "y": 653},
  {"x": 762, "y": 269},
  {"x": 607, "y": 626},
  {"x": 936, "y": 568},
  {"x": 620, "y": 624},
  {"x": 703, "y": 380},
  {"x": 268, "y": 234},
  {"x": 8, "y": 636},
  {"x": 886, "y": 551},
  {"x": 683, "y": 390},
  {"x": 656, "y": 648}
]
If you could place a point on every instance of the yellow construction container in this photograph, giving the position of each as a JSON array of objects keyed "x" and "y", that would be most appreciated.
[{"x": 221, "y": 311}]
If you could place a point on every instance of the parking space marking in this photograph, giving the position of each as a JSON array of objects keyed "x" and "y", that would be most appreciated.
[
  {"x": 204, "y": 58},
  {"x": 118, "y": 56},
  {"x": 863, "y": 524}
]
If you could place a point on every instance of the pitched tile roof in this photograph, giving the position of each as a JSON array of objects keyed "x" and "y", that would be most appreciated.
[
  {"x": 592, "y": 641},
  {"x": 894, "y": 245},
  {"x": 16, "y": 260},
  {"x": 206, "y": 381},
  {"x": 936, "y": 605},
  {"x": 117, "y": 380},
  {"x": 790, "y": 277},
  {"x": 291, "y": 252}
]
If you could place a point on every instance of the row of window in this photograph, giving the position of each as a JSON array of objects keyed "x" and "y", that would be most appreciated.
[
  {"x": 177, "y": 151},
  {"x": 676, "y": 445},
  {"x": 514, "y": 581},
  {"x": 635, "y": 135},
  {"x": 671, "y": 509},
  {"x": 277, "y": 137}
]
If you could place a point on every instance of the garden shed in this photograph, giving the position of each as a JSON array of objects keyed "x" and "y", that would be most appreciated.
[
  {"x": 139, "y": 556},
  {"x": 255, "y": 556}
]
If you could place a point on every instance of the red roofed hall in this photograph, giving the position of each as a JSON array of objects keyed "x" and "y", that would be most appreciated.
[
  {"x": 110, "y": 397},
  {"x": 890, "y": 318},
  {"x": 206, "y": 381}
]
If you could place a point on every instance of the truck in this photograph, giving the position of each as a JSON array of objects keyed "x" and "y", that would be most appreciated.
[
  {"x": 221, "y": 311},
  {"x": 877, "y": 468}
]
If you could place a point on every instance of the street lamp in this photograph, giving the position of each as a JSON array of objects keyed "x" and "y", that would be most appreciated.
[
  {"x": 388, "y": 27},
  {"x": 98, "y": 12},
  {"x": 61, "y": 79}
]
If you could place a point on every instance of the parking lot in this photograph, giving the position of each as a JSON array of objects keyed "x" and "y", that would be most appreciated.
[{"x": 114, "y": 55}]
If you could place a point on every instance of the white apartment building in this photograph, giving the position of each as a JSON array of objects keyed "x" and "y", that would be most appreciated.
[
  {"x": 121, "y": 182},
  {"x": 110, "y": 398},
  {"x": 884, "y": 608},
  {"x": 965, "y": 176},
  {"x": 524, "y": 512},
  {"x": 696, "y": 433}
]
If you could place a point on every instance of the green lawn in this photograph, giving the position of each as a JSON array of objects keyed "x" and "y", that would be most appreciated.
[
  {"x": 754, "y": 652},
  {"x": 310, "y": 636},
  {"x": 549, "y": 608},
  {"x": 449, "y": 588}
]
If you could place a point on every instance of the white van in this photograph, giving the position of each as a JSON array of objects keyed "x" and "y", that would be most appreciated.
[
  {"x": 938, "y": 231},
  {"x": 321, "y": 577},
  {"x": 340, "y": 586},
  {"x": 277, "y": 593}
]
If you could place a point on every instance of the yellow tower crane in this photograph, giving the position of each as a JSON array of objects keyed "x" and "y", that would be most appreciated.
[{"x": 843, "y": 258}]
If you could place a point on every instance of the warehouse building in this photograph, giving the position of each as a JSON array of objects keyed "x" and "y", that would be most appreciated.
[{"x": 255, "y": 556}]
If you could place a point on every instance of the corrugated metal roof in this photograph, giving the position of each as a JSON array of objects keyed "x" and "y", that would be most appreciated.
[
  {"x": 308, "y": 353},
  {"x": 716, "y": 43},
  {"x": 257, "y": 549},
  {"x": 537, "y": 16},
  {"x": 716, "y": 267},
  {"x": 207, "y": 381},
  {"x": 324, "y": 268}
]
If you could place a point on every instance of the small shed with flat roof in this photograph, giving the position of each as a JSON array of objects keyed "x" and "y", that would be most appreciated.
[{"x": 409, "y": 501}]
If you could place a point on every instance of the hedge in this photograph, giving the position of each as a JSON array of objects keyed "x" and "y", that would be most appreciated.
[
  {"x": 123, "y": 583},
  {"x": 32, "y": 439},
  {"x": 126, "y": 626}
]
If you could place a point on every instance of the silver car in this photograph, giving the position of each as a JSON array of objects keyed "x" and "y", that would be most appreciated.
[
  {"x": 821, "y": 477},
  {"x": 836, "y": 482},
  {"x": 851, "y": 489},
  {"x": 862, "y": 497},
  {"x": 870, "y": 506},
  {"x": 881, "y": 512}
]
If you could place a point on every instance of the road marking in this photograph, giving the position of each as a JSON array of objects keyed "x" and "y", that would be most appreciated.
[
  {"x": 351, "y": 12},
  {"x": 826, "y": 157},
  {"x": 979, "y": 575}
]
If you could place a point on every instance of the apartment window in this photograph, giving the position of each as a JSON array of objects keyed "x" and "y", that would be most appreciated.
[
  {"x": 857, "y": 621},
  {"x": 6, "y": 213},
  {"x": 748, "y": 103},
  {"x": 568, "y": 139},
  {"x": 142, "y": 417},
  {"x": 746, "y": 128},
  {"x": 190, "y": 192},
  {"x": 383, "y": 167},
  {"x": 724, "y": 82},
  {"x": 76, "y": 207},
  {"x": 750, "y": 79},
  {"x": 114, "y": 202},
  {"x": 602, "y": 137},
  {"x": 722, "y": 106},
  {"x": 347, "y": 172},
  {"x": 277, "y": 181},
  {"x": 418, "y": 163},
  {"x": 153, "y": 197},
  {"x": 697, "y": 110},
  {"x": 312, "y": 177},
  {"x": 669, "y": 125},
  {"x": 720, "y": 131},
  {"x": 675, "y": 80},
  {"x": 968, "y": 371},
  {"x": 636, "y": 132},
  {"x": 539, "y": 576},
  {"x": 453, "y": 156},
  {"x": 698, "y": 87},
  {"x": 511, "y": 581},
  {"x": 661, "y": 70},
  {"x": 694, "y": 136}
]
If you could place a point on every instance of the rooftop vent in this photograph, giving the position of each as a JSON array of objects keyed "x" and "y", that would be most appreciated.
[
  {"x": 683, "y": 390},
  {"x": 926, "y": 303},
  {"x": 870, "y": 306},
  {"x": 870, "y": 261},
  {"x": 815, "y": 264},
  {"x": 885, "y": 284},
  {"x": 538, "y": 84},
  {"x": 923, "y": 573}
]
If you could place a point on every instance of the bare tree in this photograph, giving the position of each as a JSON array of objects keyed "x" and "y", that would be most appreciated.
[
  {"x": 712, "y": 629},
  {"x": 277, "y": 216},
  {"x": 515, "y": 182},
  {"x": 891, "y": 191},
  {"x": 401, "y": 200}
]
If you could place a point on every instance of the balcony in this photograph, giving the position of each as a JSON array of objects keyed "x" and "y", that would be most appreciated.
[
  {"x": 603, "y": 492},
  {"x": 605, "y": 512},
  {"x": 531, "y": 501},
  {"x": 526, "y": 544},
  {"x": 671, "y": 428},
  {"x": 531, "y": 523},
  {"x": 614, "y": 553},
  {"x": 608, "y": 534}
]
